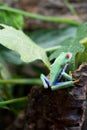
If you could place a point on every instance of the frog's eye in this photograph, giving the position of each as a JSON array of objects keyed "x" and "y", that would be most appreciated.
[{"x": 67, "y": 56}]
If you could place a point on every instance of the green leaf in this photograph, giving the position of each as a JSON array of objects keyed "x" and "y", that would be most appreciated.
[
  {"x": 80, "y": 58},
  {"x": 17, "y": 41},
  {"x": 69, "y": 45},
  {"x": 10, "y": 56},
  {"x": 52, "y": 37},
  {"x": 82, "y": 37},
  {"x": 12, "y": 19},
  {"x": 4, "y": 72},
  {"x": 78, "y": 46},
  {"x": 5, "y": 90},
  {"x": 44, "y": 38},
  {"x": 82, "y": 31}
]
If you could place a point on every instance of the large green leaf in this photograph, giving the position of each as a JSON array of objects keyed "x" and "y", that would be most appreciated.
[
  {"x": 17, "y": 41},
  {"x": 77, "y": 45},
  {"x": 44, "y": 38},
  {"x": 51, "y": 37}
]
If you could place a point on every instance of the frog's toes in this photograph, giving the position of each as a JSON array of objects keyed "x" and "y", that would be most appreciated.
[{"x": 45, "y": 81}]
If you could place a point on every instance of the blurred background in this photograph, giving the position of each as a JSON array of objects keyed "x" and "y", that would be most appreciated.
[
  {"x": 45, "y": 34},
  {"x": 62, "y": 8}
]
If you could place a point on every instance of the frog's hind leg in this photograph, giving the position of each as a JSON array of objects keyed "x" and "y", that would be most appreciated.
[
  {"x": 45, "y": 81},
  {"x": 62, "y": 85},
  {"x": 67, "y": 76}
]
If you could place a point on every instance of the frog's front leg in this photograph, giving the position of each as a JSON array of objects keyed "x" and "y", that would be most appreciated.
[
  {"x": 45, "y": 81},
  {"x": 64, "y": 74},
  {"x": 67, "y": 76},
  {"x": 62, "y": 85}
]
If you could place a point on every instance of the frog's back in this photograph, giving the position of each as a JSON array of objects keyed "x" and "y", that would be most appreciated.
[
  {"x": 55, "y": 71},
  {"x": 58, "y": 65},
  {"x": 56, "y": 68}
]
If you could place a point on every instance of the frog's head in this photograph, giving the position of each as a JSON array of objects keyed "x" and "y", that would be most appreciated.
[
  {"x": 61, "y": 60},
  {"x": 68, "y": 57}
]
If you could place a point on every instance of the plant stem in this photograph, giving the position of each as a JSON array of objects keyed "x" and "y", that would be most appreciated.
[
  {"x": 14, "y": 101},
  {"x": 41, "y": 17},
  {"x": 21, "y": 81},
  {"x": 73, "y": 11},
  {"x": 6, "y": 91},
  {"x": 50, "y": 49}
]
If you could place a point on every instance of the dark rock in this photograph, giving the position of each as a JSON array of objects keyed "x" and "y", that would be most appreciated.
[{"x": 62, "y": 109}]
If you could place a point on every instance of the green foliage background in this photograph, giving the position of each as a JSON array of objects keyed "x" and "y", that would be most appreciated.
[{"x": 18, "y": 48}]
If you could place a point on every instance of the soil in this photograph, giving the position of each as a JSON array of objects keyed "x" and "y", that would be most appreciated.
[{"x": 62, "y": 109}]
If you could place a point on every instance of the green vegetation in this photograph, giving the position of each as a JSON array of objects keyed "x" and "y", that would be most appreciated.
[{"x": 18, "y": 48}]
